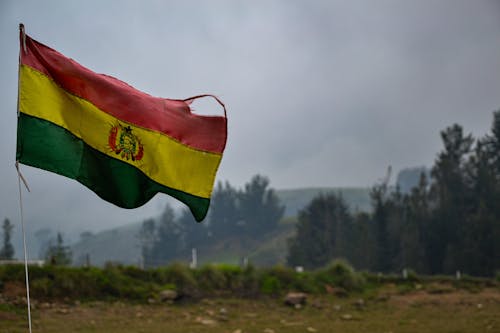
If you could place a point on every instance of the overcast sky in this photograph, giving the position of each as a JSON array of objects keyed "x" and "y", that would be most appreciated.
[{"x": 319, "y": 93}]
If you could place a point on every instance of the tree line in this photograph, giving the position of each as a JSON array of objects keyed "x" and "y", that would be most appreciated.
[
  {"x": 450, "y": 221},
  {"x": 245, "y": 214},
  {"x": 54, "y": 252}
]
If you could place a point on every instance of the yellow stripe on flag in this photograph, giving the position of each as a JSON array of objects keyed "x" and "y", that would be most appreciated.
[{"x": 162, "y": 158}]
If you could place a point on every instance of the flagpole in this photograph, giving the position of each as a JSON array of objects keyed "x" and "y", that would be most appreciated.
[
  {"x": 25, "y": 248},
  {"x": 20, "y": 177}
]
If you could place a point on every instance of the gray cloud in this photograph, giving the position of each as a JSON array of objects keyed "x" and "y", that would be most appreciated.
[{"x": 318, "y": 93}]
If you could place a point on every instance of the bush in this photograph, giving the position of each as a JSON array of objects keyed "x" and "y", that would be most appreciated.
[
  {"x": 412, "y": 276},
  {"x": 280, "y": 279},
  {"x": 211, "y": 278},
  {"x": 137, "y": 273},
  {"x": 250, "y": 282},
  {"x": 131, "y": 283},
  {"x": 270, "y": 285},
  {"x": 12, "y": 273},
  {"x": 340, "y": 274},
  {"x": 179, "y": 275},
  {"x": 285, "y": 275},
  {"x": 305, "y": 282},
  {"x": 233, "y": 276}
]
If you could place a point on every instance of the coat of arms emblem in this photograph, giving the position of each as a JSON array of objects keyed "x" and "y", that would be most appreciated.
[{"x": 124, "y": 143}]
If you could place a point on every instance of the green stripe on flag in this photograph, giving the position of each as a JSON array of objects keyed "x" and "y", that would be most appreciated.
[{"x": 44, "y": 145}]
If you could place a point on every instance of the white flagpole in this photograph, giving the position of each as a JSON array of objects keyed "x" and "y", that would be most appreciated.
[{"x": 20, "y": 177}]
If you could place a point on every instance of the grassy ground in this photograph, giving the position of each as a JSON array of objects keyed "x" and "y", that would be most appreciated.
[{"x": 441, "y": 309}]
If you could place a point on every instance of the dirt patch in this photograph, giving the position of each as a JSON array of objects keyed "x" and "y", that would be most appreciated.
[
  {"x": 14, "y": 289},
  {"x": 455, "y": 297},
  {"x": 8, "y": 316}
]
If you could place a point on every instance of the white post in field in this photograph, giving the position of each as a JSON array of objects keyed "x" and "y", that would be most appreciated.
[{"x": 194, "y": 258}]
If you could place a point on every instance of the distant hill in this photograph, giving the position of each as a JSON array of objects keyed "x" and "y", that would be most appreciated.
[
  {"x": 358, "y": 198},
  {"x": 122, "y": 245},
  {"x": 117, "y": 245},
  {"x": 409, "y": 178}
]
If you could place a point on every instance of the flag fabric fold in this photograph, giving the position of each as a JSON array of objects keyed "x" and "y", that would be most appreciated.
[{"x": 121, "y": 143}]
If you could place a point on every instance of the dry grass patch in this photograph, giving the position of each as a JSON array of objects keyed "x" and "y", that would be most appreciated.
[{"x": 459, "y": 311}]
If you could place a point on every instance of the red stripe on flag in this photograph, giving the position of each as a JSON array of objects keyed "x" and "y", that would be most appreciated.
[{"x": 117, "y": 98}]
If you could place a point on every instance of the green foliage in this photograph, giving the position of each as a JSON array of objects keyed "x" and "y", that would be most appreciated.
[
  {"x": 211, "y": 278},
  {"x": 129, "y": 283},
  {"x": 244, "y": 214},
  {"x": 323, "y": 232},
  {"x": 259, "y": 207},
  {"x": 58, "y": 253},
  {"x": 306, "y": 282},
  {"x": 7, "y": 250},
  {"x": 276, "y": 280},
  {"x": 446, "y": 223},
  {"x": 11, "y": 273},
  {"x": 270, "y": 285},
  {"x": 179, "y": 275},
  {"x": 224, "y": 213},
  {"x": 249, "y": 282},
  {"x": 280, "y": 279},
  {"x": 340, "y": 274},
  {"x": 233, "y": 276}
]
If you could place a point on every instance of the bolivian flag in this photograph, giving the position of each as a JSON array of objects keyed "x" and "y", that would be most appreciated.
[{"x": 121, "y": 143}]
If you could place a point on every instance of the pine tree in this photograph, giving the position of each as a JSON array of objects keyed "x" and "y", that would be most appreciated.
[
  {"x": 167, "y": 239},
  {"x": 259, "y": 207},
  {"x": 7, "y": 250},
  {"x": 414, "y": 229},
  {"x": 224, "y": 214},
  {"x": 58, "y": 253},
  {"x": 480, "y": 247},
  {"x": 147, "y": 238},
  {"x": 452, "y": 197},
  {"x": 322, "y": 232}
]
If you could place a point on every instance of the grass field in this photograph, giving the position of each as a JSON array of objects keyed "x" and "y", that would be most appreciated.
[{"x": 389, "y": 309}]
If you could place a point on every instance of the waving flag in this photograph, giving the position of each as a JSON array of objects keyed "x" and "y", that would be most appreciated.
[{"x": 121, "y": 143}]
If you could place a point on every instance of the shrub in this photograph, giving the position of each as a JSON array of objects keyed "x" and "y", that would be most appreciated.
[
  {"x": 305, "y": 282},
  {"x": 41, "y": 288},
  {"x": 11, "y": 273},
  {"x": 412, "y": 276},
  {"x": 250, "y": 282},
  {"x": 137, "y": 273},
  {"x": 278, "y": 279},
  {"x": 270, "y": 285},
  {"x": 340, "y": 274},
  {"x": 233, "y": 276},
  {"x": 181, "y": 276},
  {"x": 211, "y": 278}
]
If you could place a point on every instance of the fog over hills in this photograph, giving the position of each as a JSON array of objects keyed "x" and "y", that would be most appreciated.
[{"x": 122, "y": 244}]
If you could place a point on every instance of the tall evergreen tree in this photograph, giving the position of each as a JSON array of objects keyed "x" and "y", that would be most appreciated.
[
  {"x": 7, "y": 250},
  {"x": 381, "y": 215},
  {"x": 322, "y": 232},
  {"x": 58, "y": 253},
  {"x": 147, "y": 237},
  {"x": 480, "y": 246},
  {"x": 193, "y": 234},
  {"x": 415, "y": 223},
  {"x": 168, "y": 237},
  {"x": 259, "y": 207},
  {"x": 450, "y": 222},
  {"x": 224, "y": 214},
  {"x": 452, "y": 197},
  {"x": 363, "y": 250}
]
